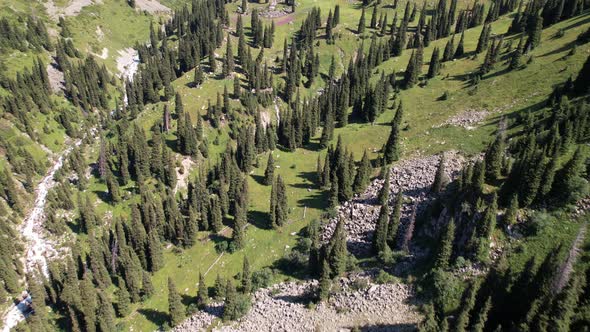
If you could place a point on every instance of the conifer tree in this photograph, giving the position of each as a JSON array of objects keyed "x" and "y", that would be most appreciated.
[
  {"x": 228, "y": 61},
  {"x": 336, "y": 18},
  {"x": 445, "y": 249},
  {"x": 246, "y": 277},
  {"x": 278, "y": 203},
  {"x": 240, "y": 221},
  {"x": 512, "y": 211},
  {"x": 105, "y": 313},
  {"x": 468, "y": 303},
  {"x": 338, "y": 253},
  {"x": 363, "y": 174},
  {"x": 202, "y": 293},
  {"x": 460, "y": 48},
  {"x": 269, "y": 171},
  {"x": 484, "y": 39},
  {"x": 361, "y": 27},
  {"x": 199, "y": 76},
  {"x": 373, "y": 24},
  {"x": 175, "y": 306},
  {"x": 147, "y": 288},
  {"x": 516, "y": 56},
  {"x": 411, "y": 73},
  {"x": 434, "y": 67},
  {"x": 123, "y": 299},
  {"x": 394, "y": 220},
  {"x": 231, "y": 302},
  {"x": 391, "y": 152},
  {"x": 494, "y": 156},
  {"x": 380, "y": 235},
  {"x": 534, "y": 30},
  {"x": 383, "y": 197}
]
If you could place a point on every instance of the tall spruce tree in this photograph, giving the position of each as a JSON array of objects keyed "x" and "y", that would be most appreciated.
[
  {"x": 391, "y": 152},
  {"x": 175, "y": 306}
]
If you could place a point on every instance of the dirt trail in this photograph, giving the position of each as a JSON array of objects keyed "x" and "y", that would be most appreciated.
[{"x": 38, "y": 247}]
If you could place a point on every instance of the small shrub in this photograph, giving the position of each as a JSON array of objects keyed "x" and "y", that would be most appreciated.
[
  {"x": 262, "y": 278},
  {"x": 359, "y": 284},
  {"x": 384, "y": 278}
]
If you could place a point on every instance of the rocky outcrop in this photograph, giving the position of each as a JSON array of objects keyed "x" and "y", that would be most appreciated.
[
  {"x": 283, "y": 308},
  {"x": 413, "y": 177}
]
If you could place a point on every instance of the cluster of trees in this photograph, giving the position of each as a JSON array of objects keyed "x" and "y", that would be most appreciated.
[
  {"x": 542, "y": 166},
  {"x": 32, "y": 35}
]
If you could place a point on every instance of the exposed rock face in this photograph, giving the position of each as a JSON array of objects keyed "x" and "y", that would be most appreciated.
[
  {"x": 414, "y": 177},
  {"x": 202, "y": 319},
  {"x": 282, "y": 308}
]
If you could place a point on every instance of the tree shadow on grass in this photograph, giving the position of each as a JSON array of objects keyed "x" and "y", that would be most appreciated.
[
  {"x": 318, "y": 200},
  {"x": 259, "y": 219},
  {"x": 310, "y": 177},
  {"x": 155, "y": 316},
  {"x": 187, "y": 299},
  {"x": 259, "y": 179}
]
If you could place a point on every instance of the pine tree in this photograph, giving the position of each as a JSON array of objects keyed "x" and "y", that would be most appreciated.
[
  {"x": 278, "y": 203},
  {"x": 269, "y": 171},
  {"x": 434, "y": 67},
  {"x": 380, "y": 235},
  {"x": 394, "y": 220},
  {"x": 411, "y": 73},
  {"x": 463, "y": 318},
  {"x": 439, "y": 177},
  {"x": 484, "y": 39},
  {"x": 515, "y": 58},
  {"x": 123, "y": 299},
  {"x": 363, "y": 174},
  {"x": 231, "y": 302},
  {"x": 246, "y": 277},
  {"x": 175, "y": 306},
  {"x": 199, "y": 76},
  {"x": 338, "y": 253},
  {"x": 240, "y": 220},
  {"x": 361, "y": 27},
  {"x": 202, "y": 293},
  {"x": 391, "y": 152},
  {"x": 228, "y": 61},
  {"x": 494, "y": 156},
  {"x": 336, "y": 19},
  {"x": 460, "y": 48},
  {"x": 105, "y": 313},
  {"x": 534, "y": 30},
  {"x": 512, "y": 211},
  {"x": 445, "y": 250},
  {"x": 147, "y": 288},
  {"x": 373, "y": 24}
]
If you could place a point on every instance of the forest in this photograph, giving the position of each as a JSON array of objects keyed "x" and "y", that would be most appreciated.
[{"x": 294, "y": 165}]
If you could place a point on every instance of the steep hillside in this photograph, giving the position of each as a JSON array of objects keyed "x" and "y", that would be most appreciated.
[{"x": 238, "y": 163}]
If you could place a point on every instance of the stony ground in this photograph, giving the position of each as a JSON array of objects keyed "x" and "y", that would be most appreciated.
[
  {"x": 282, "y": 307},
  {"x": 414, "y": 177}
]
